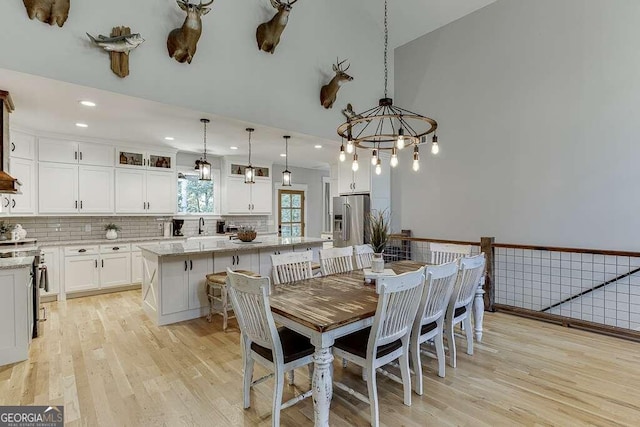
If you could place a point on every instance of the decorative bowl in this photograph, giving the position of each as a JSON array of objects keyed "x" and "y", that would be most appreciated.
[{"x": 247, "y": 236}]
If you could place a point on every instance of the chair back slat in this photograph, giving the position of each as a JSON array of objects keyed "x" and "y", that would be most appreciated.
[
  {"x": 363, "y": 255},
  {"x": 469, "y": 276},
  {"x": 439, "y": 285},
  {"x": 336, "y": 260},
  {"x": 397, "y": 306},
  {"x": 442, "y": 253},
  {"x": 250, "y": 300},
  {"x": 291, "y": 267}
]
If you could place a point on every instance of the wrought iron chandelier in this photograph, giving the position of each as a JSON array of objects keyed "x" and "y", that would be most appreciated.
[
  {"x": 386, "y": 127},
  {"x": 286, "y": 174},
  {"x": 202, "y": 165},
  {"x": 249, "y": 171}
]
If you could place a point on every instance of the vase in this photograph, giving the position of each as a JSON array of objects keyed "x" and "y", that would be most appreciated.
[
  {"x": 377, "y": 263},
  {"x": 112, "y": 234}
]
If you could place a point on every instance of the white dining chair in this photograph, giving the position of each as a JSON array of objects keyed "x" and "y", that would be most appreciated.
[
  {"x": 363, "y": 255},
  {"x": 429, "y": 322},
  {"x": 460, "y": 304},
  {"x": 336, "y": 260},
  {"x": 280, "y": 350},
  {"x": 442, "y": 253},
  {"x": 291, "y": 267},
  {"x": 388, "y": 339}
]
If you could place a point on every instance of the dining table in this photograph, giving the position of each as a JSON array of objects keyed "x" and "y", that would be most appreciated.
[{"x": 326, "y": 308}]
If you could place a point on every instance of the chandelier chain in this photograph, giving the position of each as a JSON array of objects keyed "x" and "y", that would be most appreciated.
[{"x": 386, "y": 48}]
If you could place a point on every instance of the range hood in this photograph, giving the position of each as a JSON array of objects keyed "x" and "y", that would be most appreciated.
[{"x": 8, "y": 184}]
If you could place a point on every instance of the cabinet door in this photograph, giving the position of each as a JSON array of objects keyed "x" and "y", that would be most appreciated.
[
  {"x": 115, "y": 269},
  {"x": 52, "y": 261},
  {"x": 95, "y": 154},
  {"x": 262, "y": 198},
  {"x": 247, "y": 260},
  {"x": 238, "y": 195},
  {"x": 81, "y": 273},
  {"x": 223, "y": 260},
  {"x": 57, "y": 188},
  {"x": 161, "y": 192},
  {"x": 160, "y": 161},
  {"x": 362, "y": 177},
  {"x": 23, "y": 145},
  {"x": 95, "y": 189},
  {"x": 130, "y": 158},
  {"x": 136, "y": 267},
  {"x": 25, "y": 172},
  {"x": 57, "y": 150},
  {"x": 130, "y": 191},
  {"x": 199, "y": 267},
  {"x": 175, "y": 286},
  {"x": 345, "y": 176}
]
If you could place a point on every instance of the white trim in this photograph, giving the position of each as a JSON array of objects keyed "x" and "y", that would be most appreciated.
[{"x": 276, "y": 202}]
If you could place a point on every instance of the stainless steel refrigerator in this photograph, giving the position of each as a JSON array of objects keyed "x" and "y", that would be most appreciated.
[{"x": 350, "y": 220}]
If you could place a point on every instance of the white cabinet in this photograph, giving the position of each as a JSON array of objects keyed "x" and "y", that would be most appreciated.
[
  {"x": 115, "y": 269},
  {"x": 15, "y": 323},
  {"x": 242, "y": 198},
  {"x": 23, "y": 146},
  {"x": 73, "y": 152},
  {"x": 355, "y": 182},
  {"x": 140, "y": 191},
  {"x": 136, "y": 267},
  {"x": 25, "y": 203},
  {"x": 237, "y": 260},
  {"x": 184, "y": 283},
  {"x": 51, "y": 258},
  {"x": 139, "y": 159},
  {"x": 57, "y": 188},
  {"x": 66, "y": 188},
  {"x": 81, "y": 273}
]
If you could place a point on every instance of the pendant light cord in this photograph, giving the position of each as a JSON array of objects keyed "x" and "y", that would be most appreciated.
[
  {"x": 386, "y": 48},
  {"x": 286, "y": 153},
  {"x": 250, "y": 148},
  {"x": 205, "y": 140}
]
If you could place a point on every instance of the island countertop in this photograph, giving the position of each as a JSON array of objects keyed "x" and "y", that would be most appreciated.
[{"x": 213, "y": 246}]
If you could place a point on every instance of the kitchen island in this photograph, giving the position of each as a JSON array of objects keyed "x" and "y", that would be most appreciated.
[{"x": 174, "y": 274}]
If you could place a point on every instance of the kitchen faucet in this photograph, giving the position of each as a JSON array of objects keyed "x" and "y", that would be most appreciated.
[{"x": 201, "y": 226}]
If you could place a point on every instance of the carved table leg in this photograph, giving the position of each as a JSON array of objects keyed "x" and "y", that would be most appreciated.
[
  {"x": 322, "y": 385},
  {"x": 478, "y": 311}
]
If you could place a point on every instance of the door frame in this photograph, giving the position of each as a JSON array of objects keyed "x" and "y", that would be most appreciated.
[{"x": 276, "y": 205}]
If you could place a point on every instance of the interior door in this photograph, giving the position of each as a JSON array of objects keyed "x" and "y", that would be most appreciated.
[
  {"x": 130, "y": 191},
  {"x": 291, "y": 213},
  {"x": 57, "y": 188},
  {"x": 96, "y": 189},
  {"x": 161, "y": 192}
]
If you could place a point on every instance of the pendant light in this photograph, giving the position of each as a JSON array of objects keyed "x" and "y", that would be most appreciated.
[
  {"x": 435, "y": 148},
  {"x": 355, "y": 166},
  {"x": 249, "y": 171},
  {"x": 343, "y": 156},
  {"x": 204, "y": 166},
  {"x": 286, "y": 174},
  {"x": 416, "y": 159}
]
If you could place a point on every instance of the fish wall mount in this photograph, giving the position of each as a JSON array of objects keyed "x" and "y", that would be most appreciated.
[{"x": 119, "y": 44}]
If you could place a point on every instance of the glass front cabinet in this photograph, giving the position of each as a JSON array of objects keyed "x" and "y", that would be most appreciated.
[{"x": 153, "y": 160}]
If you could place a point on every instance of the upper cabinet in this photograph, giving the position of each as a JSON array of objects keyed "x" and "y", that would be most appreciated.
[
  {"x": 358, "y": 181},
  {"x": 239, "y": 198},
  {"x": 138, "y": 159},
  {"x": 72, "y": 152},
  {"x": 23, "y": 146},
  {"x": 145, "y": 192}
]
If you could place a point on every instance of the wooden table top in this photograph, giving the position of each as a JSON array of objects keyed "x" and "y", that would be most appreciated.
[{"x": 326, "y": 303}]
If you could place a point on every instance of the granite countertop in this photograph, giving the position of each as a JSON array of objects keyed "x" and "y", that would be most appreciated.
[
  {"x": 106, "y": 241},
  {"x": 194, "y": 247},
  {"x": 16, "y": 262}
]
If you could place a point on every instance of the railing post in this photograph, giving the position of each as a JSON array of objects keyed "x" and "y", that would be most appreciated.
[{"x": 486, "y": 246}]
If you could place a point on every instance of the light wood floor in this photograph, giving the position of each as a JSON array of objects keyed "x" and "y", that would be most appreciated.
[{"x": 105, "y": 361}]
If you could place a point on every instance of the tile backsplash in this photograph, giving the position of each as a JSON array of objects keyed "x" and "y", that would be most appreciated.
[{"x": 52, "y": 229}]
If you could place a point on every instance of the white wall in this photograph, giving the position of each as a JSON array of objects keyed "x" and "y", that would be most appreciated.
[
  {"x": 537, "y": 104},
  {"x": 228, "y": 76}
]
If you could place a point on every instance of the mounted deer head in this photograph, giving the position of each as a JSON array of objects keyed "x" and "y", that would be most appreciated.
[
  {"x": 182, "y": 42},
  {"x": 268, "y": 33},
  {"x": 329, "y": 91},
  {"x": 48, "y": 11}
]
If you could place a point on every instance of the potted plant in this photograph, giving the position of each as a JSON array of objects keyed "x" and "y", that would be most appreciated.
[
  {"x": 4, "y": 227},
  {"x": 378, "y": 237},
  {"x": 112, "y": 231}
]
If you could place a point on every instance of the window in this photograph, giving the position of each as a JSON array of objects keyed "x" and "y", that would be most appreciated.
[
  {"x": 195, "y": 196},
  {"x": 291, "y": 205}
]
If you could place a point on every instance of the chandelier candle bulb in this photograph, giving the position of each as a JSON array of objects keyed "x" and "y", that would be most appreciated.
[
  {"x": 374, "y": 157},
  {"x": 394, "y": 157},
  {"x": 400, "y": 142},
  {"x": 354, "y": 165},
  {"x": 435, "y": 148},
  {"x": 349, "y": 146},
  {"x": 378, "y": 167},
  {"x": 343, "y": 156},
  {"x": 416, "y": 159}
]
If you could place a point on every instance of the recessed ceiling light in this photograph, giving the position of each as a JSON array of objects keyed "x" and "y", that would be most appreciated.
[
  {"x": 82, "y": 125},
  {"x": 318, "y": 146},
  {"x": 88, "y": 103},
  {"x": 233, "y": 148},
  {"x": 169, "y": 138},
  {"x": 283, "y": 155}
]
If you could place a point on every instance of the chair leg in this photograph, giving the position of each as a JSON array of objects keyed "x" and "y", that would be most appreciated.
[
  {"x": 225, "y": 316},
  {"x": 452, "y": 344},
  {"x": 414, "y": 348},
  {"x": 277, "y": 397},
  {"x": 373, "y": 396},
  {"x": 248, "y": 378},
  {"x": 210, "y": 298},
  {"x": 438, "y": 339},
  {"x": 468, "y": 331},
  {"x": 406, "y": 376},
  {"x": 291, "y": 376}
]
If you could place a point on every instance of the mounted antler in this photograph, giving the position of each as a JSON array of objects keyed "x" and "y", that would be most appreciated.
[
  {"x": 182, "y": 42},
  {"x": 329, "y": 92},
  {"x": 268, "y": 33}
]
